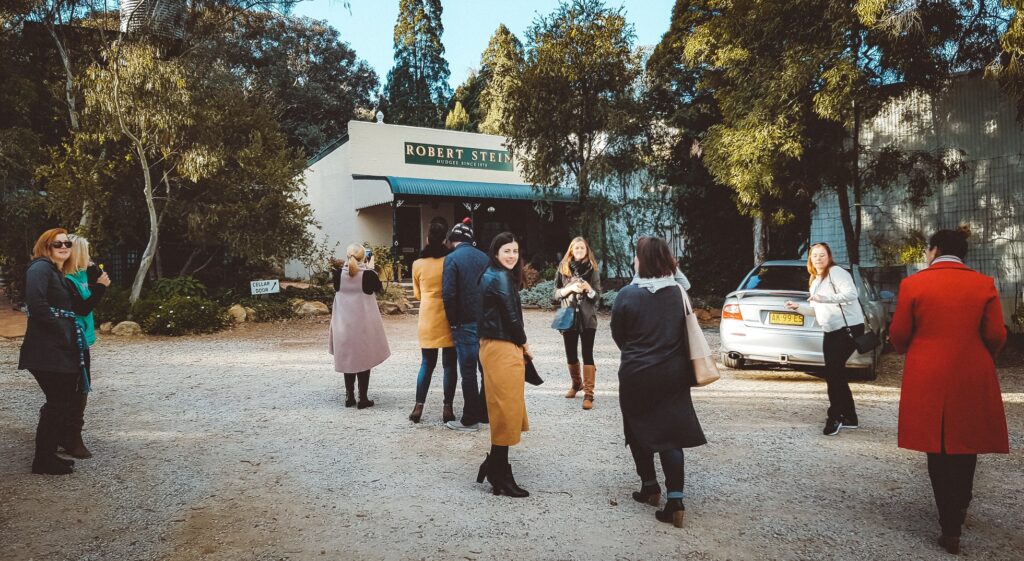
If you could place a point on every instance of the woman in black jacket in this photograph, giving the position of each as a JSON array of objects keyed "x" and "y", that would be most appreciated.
[
  {"x": 503, "y": 354},
  {"x": 54, "y": 349},
  {"x": 655, "y": 375}
]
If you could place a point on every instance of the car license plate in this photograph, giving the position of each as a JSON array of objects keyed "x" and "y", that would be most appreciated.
[{"x": 781, "y": 318}]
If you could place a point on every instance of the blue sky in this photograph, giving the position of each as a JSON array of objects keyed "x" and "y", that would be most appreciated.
[{"x": 468, "y": 25}]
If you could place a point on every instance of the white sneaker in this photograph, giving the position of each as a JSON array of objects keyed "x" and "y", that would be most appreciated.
[{"x": 458, "y": 426}]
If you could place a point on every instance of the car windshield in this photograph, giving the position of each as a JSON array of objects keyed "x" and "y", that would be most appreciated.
[{"x": 777, "y": 277}]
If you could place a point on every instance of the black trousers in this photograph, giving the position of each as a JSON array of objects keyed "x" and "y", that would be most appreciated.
[
  {"x": 952, "y": 478},
  {"x": 55, "y": 415},
  {"x": 838, "y": 347},
  {"x": 671, "y": 463},
  {"x": 570, "y": 338}
]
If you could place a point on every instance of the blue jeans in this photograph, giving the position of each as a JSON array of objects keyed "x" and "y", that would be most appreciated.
[
  {"x": 467, "y": 347},
  {"x": 448, "y": 364}
]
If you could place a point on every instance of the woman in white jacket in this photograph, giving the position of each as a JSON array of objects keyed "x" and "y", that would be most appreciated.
[{"x": 833, "y": 296}]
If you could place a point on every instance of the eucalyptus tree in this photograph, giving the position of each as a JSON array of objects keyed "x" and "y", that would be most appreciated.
[
  {"x": 417, "y": 88},
  {"x": 574, "y": 98}
]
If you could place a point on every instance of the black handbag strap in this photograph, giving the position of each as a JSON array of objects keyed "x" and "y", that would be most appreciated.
[{"x": 841, "y": 306}]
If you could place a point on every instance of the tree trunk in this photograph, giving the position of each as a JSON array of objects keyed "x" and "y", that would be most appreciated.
[
  {"x": 154, "y": 225},
  {"x": 69, "y": 98},
  {"x": 760, "y": 240}
]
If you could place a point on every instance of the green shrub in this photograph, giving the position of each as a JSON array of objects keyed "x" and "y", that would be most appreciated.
[
  {"x": 314, "y": 293},
  {"x": 178, "y": 286},
  {"x": 270, "y": 310},
  {"x": 114, "y": 306},
  {"x": 608, "y": 299},
  {"x": 179, "y": 315},
  {"x": 548, "y": 273},
  {"x": 540, "y": 295}
]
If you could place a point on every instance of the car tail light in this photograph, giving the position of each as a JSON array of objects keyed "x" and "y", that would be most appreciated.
[{"x": 732, "y": 311}]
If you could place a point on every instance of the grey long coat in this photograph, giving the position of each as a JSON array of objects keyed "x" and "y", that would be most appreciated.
[{"x": 49, "y": 344}]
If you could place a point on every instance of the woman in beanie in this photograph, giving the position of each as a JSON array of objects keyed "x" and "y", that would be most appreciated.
[{"x": 949, "y": 322}]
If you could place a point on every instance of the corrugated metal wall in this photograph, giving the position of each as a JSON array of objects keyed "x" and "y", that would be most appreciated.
[{"x": 972, "y": 116}]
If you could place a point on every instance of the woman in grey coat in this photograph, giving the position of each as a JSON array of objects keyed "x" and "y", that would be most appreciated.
[
  {"x": 655, "y": 375},
  {"x": 578, "y": 285}
]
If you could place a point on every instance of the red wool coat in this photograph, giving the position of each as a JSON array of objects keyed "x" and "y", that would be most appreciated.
[{"x": 949, "y": 323}]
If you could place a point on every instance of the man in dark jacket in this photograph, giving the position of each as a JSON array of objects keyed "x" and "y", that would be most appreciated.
[{"x": 460, "y": 290}]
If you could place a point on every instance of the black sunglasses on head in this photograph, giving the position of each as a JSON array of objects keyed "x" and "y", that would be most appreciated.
[{"x": 58, "y": 245}]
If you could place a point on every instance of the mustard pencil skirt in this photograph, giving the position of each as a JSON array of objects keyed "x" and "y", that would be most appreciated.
[{"x": 504, "y": 381}]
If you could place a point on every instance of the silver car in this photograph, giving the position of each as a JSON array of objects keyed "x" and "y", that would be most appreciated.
[{"x": 757, "y": 327}]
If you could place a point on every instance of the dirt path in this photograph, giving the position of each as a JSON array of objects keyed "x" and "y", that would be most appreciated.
[{"x": 237, "y": 447}]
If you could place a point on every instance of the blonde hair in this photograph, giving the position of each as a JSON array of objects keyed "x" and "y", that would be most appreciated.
[
  {"x": 355, "y": 254},
  {"x": 79, "y": 259},
  {"x": 563, "y": 267}
]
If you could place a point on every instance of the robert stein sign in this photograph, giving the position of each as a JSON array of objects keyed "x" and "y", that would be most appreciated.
[{"x": 457, "y": 156}]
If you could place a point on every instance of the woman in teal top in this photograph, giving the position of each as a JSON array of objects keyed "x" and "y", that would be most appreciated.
[{"x": 91, "y": 282}]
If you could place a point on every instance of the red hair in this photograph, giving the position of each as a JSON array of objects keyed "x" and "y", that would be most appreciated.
[{"x": 42, "y": 247}]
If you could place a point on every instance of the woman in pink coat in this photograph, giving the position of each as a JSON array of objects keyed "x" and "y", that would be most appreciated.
[
  {"x": 949, "y": 323},
  {"x": 356, "y": 336}
]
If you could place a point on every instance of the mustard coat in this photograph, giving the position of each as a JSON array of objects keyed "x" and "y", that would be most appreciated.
[{"x": 434, "y": 331}]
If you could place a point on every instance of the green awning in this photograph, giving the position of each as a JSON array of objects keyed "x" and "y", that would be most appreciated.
[{"x": 419, "y": 187}]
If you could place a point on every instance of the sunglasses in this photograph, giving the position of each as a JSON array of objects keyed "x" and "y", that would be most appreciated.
[{"x": 58, "y": 245}]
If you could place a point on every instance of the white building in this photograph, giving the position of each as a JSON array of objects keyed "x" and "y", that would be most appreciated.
[
  {"x": 973, "y": 116},
  {"x": 384, "y": 184}
]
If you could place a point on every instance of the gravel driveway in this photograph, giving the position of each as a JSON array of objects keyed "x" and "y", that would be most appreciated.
[{"x": 236, "y": 446}]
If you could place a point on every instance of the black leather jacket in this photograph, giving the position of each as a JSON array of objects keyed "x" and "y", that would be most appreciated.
[{"x": 502, "y": 313}]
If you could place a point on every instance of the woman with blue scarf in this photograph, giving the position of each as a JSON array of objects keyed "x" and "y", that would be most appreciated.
[
  {"x": 91, "y": 283},
  {"x": 655, "y": 375}
]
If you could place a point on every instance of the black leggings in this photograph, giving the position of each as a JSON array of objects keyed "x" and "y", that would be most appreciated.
[
  {"x": 571, "y": 337},
  {"x": 838, "y": 347},
  {"x": 54, "y": 416},
  {"x": 671, "y": 463}
]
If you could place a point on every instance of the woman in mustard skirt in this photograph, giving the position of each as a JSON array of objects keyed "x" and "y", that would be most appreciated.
[{"x": 503, "y": 354}]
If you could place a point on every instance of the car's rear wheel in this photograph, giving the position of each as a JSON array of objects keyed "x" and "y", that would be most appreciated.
[{"x": 734, "y": 363}]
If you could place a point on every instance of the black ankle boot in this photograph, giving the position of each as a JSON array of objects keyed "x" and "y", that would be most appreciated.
[
  {"x": 648, "y": 494},
  {"x": 503, "y": 482},
  {"x": 51, "y": 466},
  {"x": 350, "y": 400},
  {"x": 673, "y": 513},
  {"x": 482, "y": 473}
]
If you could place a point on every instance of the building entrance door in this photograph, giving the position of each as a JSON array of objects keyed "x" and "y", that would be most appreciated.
[{"x": 409, "y": 241}]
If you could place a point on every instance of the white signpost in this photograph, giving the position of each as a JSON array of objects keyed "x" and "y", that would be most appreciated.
[{"x": 264, "y": 287}]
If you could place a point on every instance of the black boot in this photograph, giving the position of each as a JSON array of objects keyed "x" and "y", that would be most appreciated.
[
  {"x": 350, "y": 390},
  {"x": 503, "y": 482},
  {"x": 648, "y": 494},
  {"x": 48, "y": 433},
  {"x": 482, "y": 473},
  {"x": 364, "y": 381},
  {"x": 673, "y": 512}
]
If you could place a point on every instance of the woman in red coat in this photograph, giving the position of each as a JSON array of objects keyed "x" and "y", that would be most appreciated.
[{"x": 949, "y": 323}]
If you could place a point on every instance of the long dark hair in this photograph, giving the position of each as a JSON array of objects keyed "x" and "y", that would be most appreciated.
[
  {"x": 435, "y": 241},
  {"x": 517, "y": 272}
]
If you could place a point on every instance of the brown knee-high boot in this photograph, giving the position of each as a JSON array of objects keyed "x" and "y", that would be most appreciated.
[
  {"x": 577, "y": 380},
  {"x": 74, "y": 446},
  {"x": 589, "y": 376}
]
